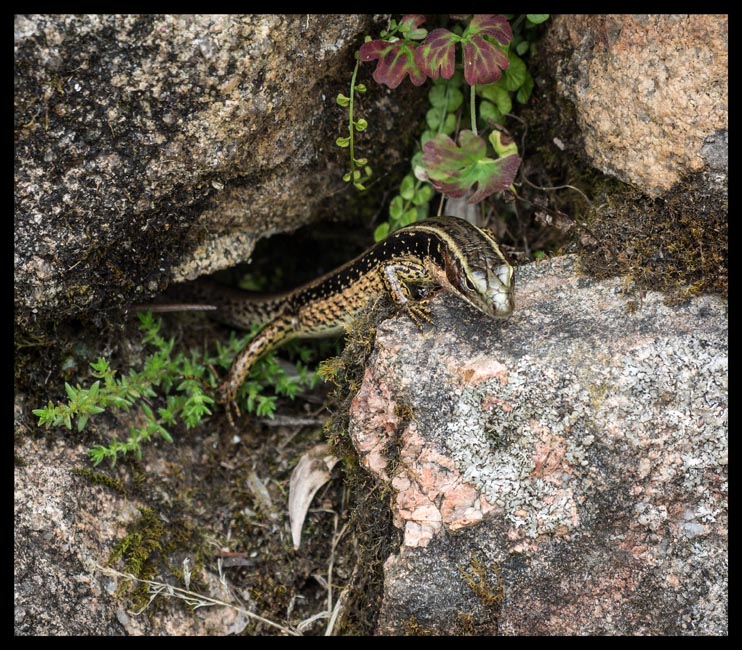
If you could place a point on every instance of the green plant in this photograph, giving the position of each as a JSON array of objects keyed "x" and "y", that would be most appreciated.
[
  {"x": 478, "y": 58},
  {"x": 183, "y": 386},
  {"x": 354, "y": 175}
]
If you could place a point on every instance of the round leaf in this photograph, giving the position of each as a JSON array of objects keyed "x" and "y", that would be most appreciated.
[
  {"x": 342, "y": 142},
  {"x": 382, "y": 230},
  {"x": 407, "y": 187},
  {"x": 342, "y": 100},
  {"x": 437, "y": 95},
  {"x": 488, "y": 111},
  {"x": 449, "y": 125},
  {"x": 455, "y": 99},
  {"x": 423, "y": 195},
  {"x": 396, "y": 207},
  {"x": 433, "y": 118},
  {"x": 410, "y": 216}
]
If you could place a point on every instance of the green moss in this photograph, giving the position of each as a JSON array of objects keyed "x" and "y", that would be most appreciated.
[
  {"x": 149, "y": 549},
  {"x": 488, "y": 587},
  {"x": 98, "y": 478},
  {"x": 412, "y": 627},
  {"x": 677, "y": 244},
  {"x": 371, "y": 525}
]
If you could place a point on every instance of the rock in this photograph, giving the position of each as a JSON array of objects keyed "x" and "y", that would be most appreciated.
[
  {"x": 156, "y": 148},
  {"x": 650, "y": 93},
  {"x": 560, "y": 472},
  {"x": 70, "y": 518}
]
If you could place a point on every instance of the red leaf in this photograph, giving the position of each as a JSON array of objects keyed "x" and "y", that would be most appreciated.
[
  {"x": 456, "y": 169},
  {"x": 483, "y": 61},
  {"x": 437, "y": 53},
  {"x": 495, "y": 26},
  {"x": 396, "y": 59},
  {"x": 410, "y": 26}
]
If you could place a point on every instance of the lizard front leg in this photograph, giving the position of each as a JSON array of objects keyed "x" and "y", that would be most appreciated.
[{"x": 397, "y": 276}]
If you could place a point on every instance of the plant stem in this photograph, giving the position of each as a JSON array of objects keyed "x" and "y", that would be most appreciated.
[
  {"x": 351, "y": 126},
  {"x": 472, "y": 107}
]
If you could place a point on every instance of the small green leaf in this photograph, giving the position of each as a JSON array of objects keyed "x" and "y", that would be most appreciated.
[
  {"x": 433, "y": 118},
  {"x": 382, "y": 230},
  {"x": 515, "y": 74},
  {"x": 426, "y": 135},
  {"x": 423, "y": 195},
  {"x": 361, "y": 125},
  {"x": 455, "y": 99},
  {"x": 407, "y": 187},
  {"x": 449, "y": 125},
  {"x": 360, "y": 88},
  {"x": 342, "y": 100},
  {"x": 343, "y": 142},
  {"x": 396, "y": 208},
  {"x": 524, "y": 92},
  {"x": 166, "y": 435},
  {"x": 361, "y": 161},
  {"x": 522, "y": 47},
  {"x": 537, "y": 19},
  {"x": 71, "y": 392},
  {"x": 488, "y": 111},
  {"x": 437, "y": 95},
  {"x": 346, "y": 177},
  {"x": 81, "y": 422},
  {"x": 408, "y": 217},
  {"x": 500, "y": 97},
  {"x": 100, "y": 366}
]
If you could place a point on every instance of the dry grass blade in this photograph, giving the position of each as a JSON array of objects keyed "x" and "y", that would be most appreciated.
[{"x": 192, "y": 598}]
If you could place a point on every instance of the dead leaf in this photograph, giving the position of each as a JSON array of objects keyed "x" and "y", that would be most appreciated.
[{"x": 311, "y": 472}]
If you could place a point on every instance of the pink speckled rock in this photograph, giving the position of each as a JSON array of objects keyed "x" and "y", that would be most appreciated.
[
  {"x": 574, "y": 455},
  {"x": 651, "y": 92}
]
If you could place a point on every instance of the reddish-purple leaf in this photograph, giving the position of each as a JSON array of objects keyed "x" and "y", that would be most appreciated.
[
  {"x": 483, "y": 61},
  {"x": 436, "y": 56},
  {"x": 493, "y": 25},
  {"x": 410, "y": 26},
  {"x": 396, "y": 59},
  {"x": 455, "y": 169}
]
